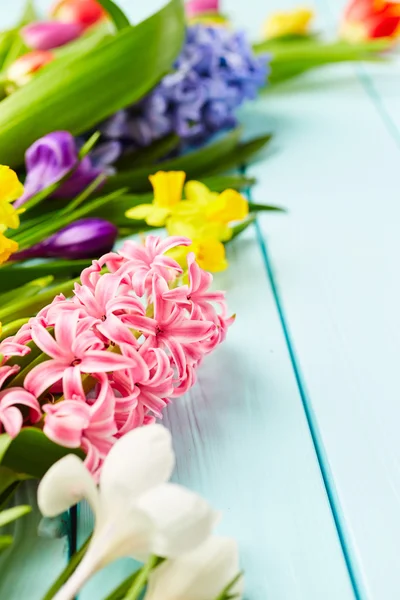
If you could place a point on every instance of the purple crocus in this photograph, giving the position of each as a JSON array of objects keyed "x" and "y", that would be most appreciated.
[
  {"x": 50, "y": 159},
  {"x": 86, "y": 238},
  {"x": 45, "y": 35},
  {"x": 214, "y": 74}
]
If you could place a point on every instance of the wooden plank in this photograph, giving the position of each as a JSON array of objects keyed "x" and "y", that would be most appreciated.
[
  {"x": 334, "y": 258},
  {"x": 242, "y": 440}
]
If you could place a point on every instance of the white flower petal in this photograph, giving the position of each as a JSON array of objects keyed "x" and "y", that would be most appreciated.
[
  {"x": 199, "y": 575},
  {"x": 141, "y": 460},
  {"x": 128, "y": 533},
  {"x": 66, "y": 483},
  {"x": 182, "y": 519}
]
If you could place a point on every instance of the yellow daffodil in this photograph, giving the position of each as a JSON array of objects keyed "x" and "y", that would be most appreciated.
[
  {"x": 167, "y": 188},
  {"x": 209, "y": 211},
  {"x": 209, "y": 252},
  {"x": 7, "y": 247},
  {"x": 294, "y": 22},
  {"x": 10, "y": 190}
]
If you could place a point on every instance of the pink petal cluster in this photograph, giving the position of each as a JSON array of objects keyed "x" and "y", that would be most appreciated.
[{"x": 115, "y": 354}]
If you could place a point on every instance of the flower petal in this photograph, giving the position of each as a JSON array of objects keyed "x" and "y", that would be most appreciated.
[
  {"x": 65, "y": 484},
  {"x": 201, "y": 574},
  {"x": 43, "y": 376},
  {"x": 183, "y": 519},
  {"x": 141, "y": 460},
  {"x": 99, "y": 361}
]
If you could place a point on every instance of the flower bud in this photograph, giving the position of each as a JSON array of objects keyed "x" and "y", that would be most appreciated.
[
  {"x": 86, "y": 238},
  {"x": 82, "y": 12},
  {"x": 45, "y": 35},
  {"x": 24, "y": 68},
  {"x": 194, "y": 8},
  {"x": 368, "y": 20}
]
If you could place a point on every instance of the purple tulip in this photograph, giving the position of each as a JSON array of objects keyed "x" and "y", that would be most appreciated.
[
  {"x": 49, "y": 159},
  {"x": 86, "y": 238},
  {"x": 45, "y": 35}
]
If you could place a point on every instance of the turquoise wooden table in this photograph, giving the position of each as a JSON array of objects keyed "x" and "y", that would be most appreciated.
[{"x": 292, "y": 429}]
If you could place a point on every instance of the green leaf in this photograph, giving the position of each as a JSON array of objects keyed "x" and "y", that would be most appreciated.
[
  {"x": 13, "y": 327},
  {"x": 9, "y": 481},
  {"x": 254, "y": 207},
  {"x": 219, "y": 183},
  {"x": 226, "y": 592},
  {"x": 29, "y": 306},
  {"x": 295, "y": 58},
  {"x": 14, "y": 275},
  {"x": 32, "y": 453},
  {"x": 67, "y": 572},
  {"x": 29, "y": 13},
  {"x": 117, "y": 15},
  {"x": 149, "y": 155},
  {"x": 241, "y": 154},
  {"x": 26, "y": 291},
  {"x": 194, "y": 164},
  {"x": 5, "y": 441},
  {"x": 62, "y": 219},
  {"x": 90, "y": 88},
  {"x": 12, "y": 514},
  {"x": 5, "y": 542}
]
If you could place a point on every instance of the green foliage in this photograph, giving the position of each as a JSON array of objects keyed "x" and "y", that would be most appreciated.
[
  {"x": 88, "y": 88},
  {"x": 118, "y": 17},
  {"x": 31, "y": 452}
]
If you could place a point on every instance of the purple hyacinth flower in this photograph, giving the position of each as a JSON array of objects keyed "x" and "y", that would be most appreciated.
[
  {"x": 214, "y": 74},
  {"x": 50, "y": 159},
  {"x": 86, "y": 238}
]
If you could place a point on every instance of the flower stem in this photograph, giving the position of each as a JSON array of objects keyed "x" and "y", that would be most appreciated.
[{"x": 141, "y": 580}]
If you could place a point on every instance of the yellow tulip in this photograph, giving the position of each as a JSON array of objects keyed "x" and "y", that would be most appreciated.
[
  {"x": 295, "y": 22},
  {"x": 10, "y": 190},
  {"x": 167, "y": 186},
  {"x": 7, "y": 247}
]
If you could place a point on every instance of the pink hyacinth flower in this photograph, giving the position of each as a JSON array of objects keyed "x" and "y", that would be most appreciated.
[
  {"x": 103, "y": 302},
  {"x": 87, "y": 424},
  {"x": 154, "y": 393},
  {"x": 143, "y": 262},
  {"x": 45, "y": 35},
  {"x": 197, "y": 292},
  {"x": 6, "y": 372},
  {"x": 11, "y": 418},
  {"x": 73, "y": 351},
  {"x": 193, "y": 8},
  {"x": 171, "y": 327}
]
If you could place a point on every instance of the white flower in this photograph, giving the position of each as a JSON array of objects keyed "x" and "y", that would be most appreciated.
[
  {"x": 137, "y": 513},
  {"x": 201, "y": 574}
]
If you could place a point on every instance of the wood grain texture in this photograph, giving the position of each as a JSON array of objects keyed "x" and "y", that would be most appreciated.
[{"x": 335, "y": 261}]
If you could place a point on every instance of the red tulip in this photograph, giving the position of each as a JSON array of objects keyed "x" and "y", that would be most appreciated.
[
  {"x": 82, "y": 12},
  {"x": 371, "y": 19},
  {"x": 23, "y": 69}
]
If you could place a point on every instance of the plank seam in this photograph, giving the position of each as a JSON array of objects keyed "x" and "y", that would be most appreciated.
[
  {"x": 368, "y": 84},
  {"x": 334, "y": 503}
]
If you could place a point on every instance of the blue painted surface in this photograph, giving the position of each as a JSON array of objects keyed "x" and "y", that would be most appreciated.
[{"x": 292, "y": 429}]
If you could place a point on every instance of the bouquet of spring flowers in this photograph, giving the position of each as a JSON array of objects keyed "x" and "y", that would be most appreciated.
[{"x": 87, "y": 126}]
